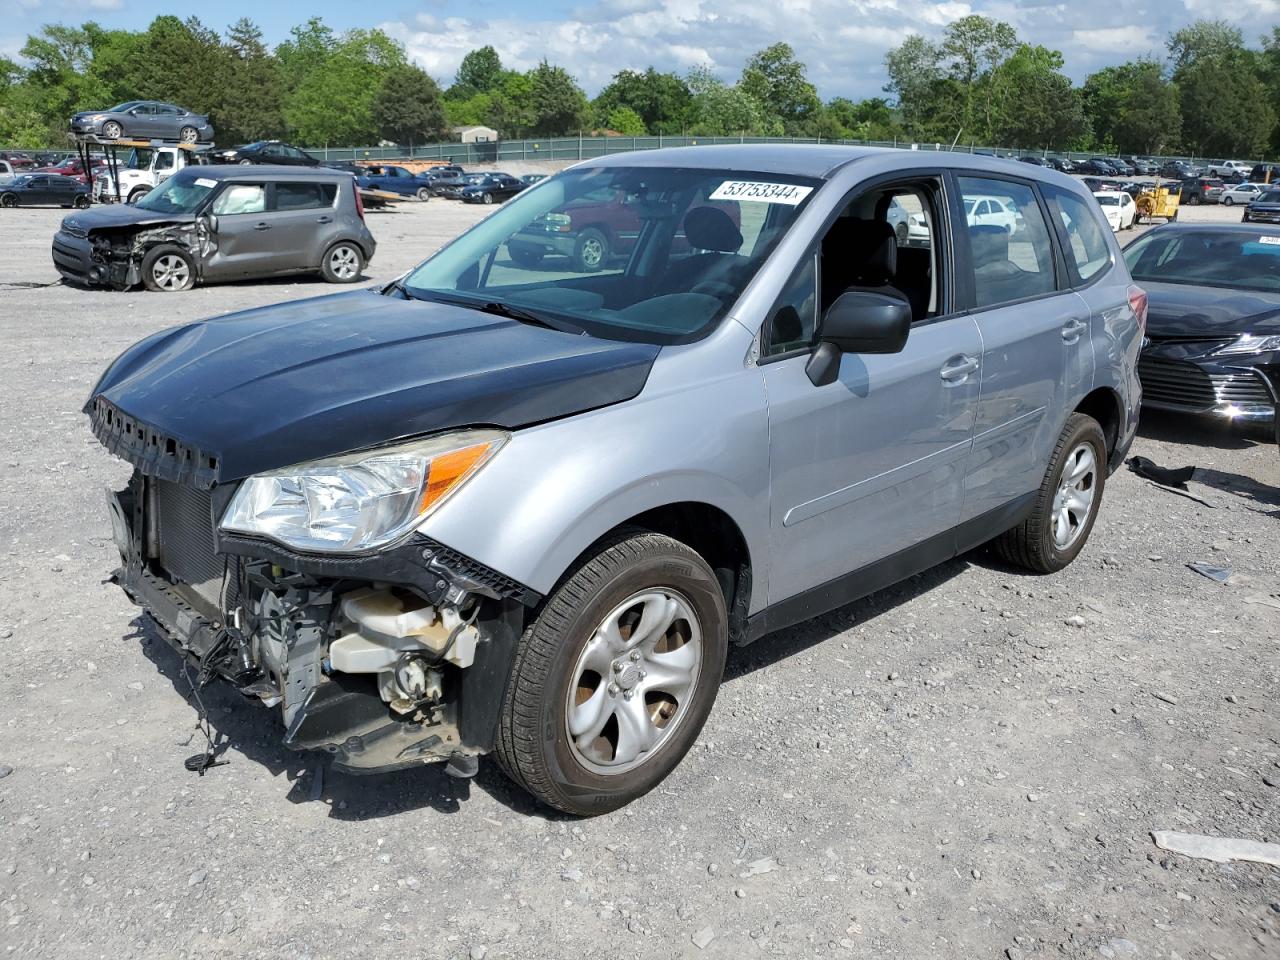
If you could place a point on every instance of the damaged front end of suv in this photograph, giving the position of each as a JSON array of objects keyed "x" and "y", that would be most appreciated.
[{"x": 383, "y": 659}]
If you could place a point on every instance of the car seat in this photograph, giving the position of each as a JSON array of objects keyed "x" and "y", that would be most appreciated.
[
  {"x": 859, "y": 255},
  {"x": 712, "y": 231}
]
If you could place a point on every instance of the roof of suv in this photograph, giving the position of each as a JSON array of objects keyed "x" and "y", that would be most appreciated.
[
  {"x": 272, "y": 171},
  {"x": 807, "y": 160}
]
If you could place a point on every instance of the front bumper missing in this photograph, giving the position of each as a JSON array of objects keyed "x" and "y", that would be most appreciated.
[{"x": 340, "y": 714}]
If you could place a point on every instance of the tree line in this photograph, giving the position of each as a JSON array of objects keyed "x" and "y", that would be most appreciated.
[{"x": 1212, "y": 93}]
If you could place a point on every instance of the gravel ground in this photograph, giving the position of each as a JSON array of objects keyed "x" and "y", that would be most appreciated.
[{"x": 966, "y": 765}]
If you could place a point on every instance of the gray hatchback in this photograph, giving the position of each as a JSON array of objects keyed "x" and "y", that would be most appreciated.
[
  {"x": 211, "y": 223},
  {"x": 524, "y": 507}
]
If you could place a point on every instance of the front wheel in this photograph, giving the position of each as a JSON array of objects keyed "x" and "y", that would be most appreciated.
[
  {"x": 138, "y": 193},
  {"x": 342, "y": 263},
  {"x": 81, "y": 202},
  {"x": 112, "y": 130},
  {"x": 424, "y": 194},
  {"x": 614, "y": 679},
  {"x": 1066, "y": 504},
  {"x": 486, "y": 198},
  {"x": 168, "y": 269},
  {"x": 591, "y": 251},
  {"x": 8, "y": 200}
]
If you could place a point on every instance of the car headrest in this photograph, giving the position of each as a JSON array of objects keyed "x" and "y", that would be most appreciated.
[
  {"x": 710, "y": 228},
  {"x": 990, "y": 244},
  {"x": 868, "y": 248}
]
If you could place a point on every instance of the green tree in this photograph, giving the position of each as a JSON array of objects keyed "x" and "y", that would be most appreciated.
[
  {"x": 776, "y": 80},
  {"x": 1036, "y": 104},
  {"x": 407, "y": 107},
  {"x": 626, "y": 121},
  {"x": 720, "y": 110},
  {"x": 184, "y": 62},
  {"x": 927, "y": 98},
  {"x": 1133, "y": 107},
  {"x": 973, "y": 49},
  {"x": 250, "y": 105},
  {"x": 661, "y": 99},
  {"x": 333, "y": 102},
  {"x": 1204, "y": 38},
  {"x": 1224, "y": 106},
  {"x": 558, "y": 106},
  {"x": 480, "y": 72}
]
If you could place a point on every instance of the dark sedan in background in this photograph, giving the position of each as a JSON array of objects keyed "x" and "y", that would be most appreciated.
[
  {"x": 1213, "y": 319},
  {"x": 492, "y": 188},
  {"x": 44, "y": 189},
  {"x": 144, "y": 119},
  {"x": 266, "y": 151}
]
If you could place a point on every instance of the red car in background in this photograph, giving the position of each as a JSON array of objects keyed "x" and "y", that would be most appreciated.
[
  {"x": 592, "y": 230},
  {"x": 74, "y": 167}
]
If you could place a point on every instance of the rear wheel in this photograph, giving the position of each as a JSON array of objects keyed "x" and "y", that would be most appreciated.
[
  {"x": 188, "y": 134},
  {"x": 902, "y": 232},
  {"x": 137, "y": 193},
  {"x": 614, "y": 679},
  {"x": 1066, "y": 504},
  {"x": 1227, "y": 201},
  {"x": 168, "y": 269},
  {"x": 342, "y": 263}
]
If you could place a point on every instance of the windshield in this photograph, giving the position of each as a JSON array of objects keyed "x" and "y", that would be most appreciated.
[
  {"x": 1234, "y": 259},
  {"x": 178, "y": 194},
  {"x": 1108, "y": 201},
  {"x": 652, "y": 254},
  {"x": 122, "y": 107},
  {"x": 1271, "y": 196}
]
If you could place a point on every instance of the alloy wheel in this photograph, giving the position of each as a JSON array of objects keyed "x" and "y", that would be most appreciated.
[
  {"x": 188, "y": 134},
  {"x": 170, "y": 272},
  {"x": 344, "y": 262},
  {"x": 633, "y": 682},
  {"x": 592, "y": 252},
  {"x": 1073, "y": 502}
]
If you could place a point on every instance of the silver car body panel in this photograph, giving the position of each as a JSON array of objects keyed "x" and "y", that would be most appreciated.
[{"x": 820, "y": 481}]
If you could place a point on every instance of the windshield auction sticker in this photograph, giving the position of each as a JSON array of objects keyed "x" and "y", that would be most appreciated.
[
  {"x": 760, "y": 192},
  {"x": 1271, "y": 240},
  {"x": 202, "y": 182}
]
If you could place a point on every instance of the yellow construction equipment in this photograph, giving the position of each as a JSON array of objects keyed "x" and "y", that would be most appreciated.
[{"x": 1159, "y": 200}]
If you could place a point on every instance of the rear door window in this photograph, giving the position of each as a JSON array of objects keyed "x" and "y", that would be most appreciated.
[
  {"x": 1084, "y": 241},
  {"x": 1009, "y": 245},
  {"x": 304, "y": 196}
]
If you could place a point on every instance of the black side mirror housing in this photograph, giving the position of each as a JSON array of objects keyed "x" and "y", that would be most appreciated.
[{"x": 860, "y": 321}]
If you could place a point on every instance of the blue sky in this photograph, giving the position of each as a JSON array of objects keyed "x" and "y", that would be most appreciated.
[{"x": 843, "y": 42}]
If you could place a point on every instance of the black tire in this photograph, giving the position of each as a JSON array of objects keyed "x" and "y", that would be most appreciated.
[
  {"x": 188, "y": 135},
  {"x": 337, "y": 263},
  {"x": 81, "y": 202},
  {"x": 533, "y": 744},
  {"x": 486, "y": 198},
  {"x": 167, "y": 268},
  {"x": 1031, "y": 544},
  {"x": 1228, "y": 201},
  {"x": 525, "y": 256},
  {"x": 137, "y": 194},
  {"x": 424, "y": 194},
  {"x": 591, "y": 252},
  {"x": 902, "y": 232},
  {"x": 112, "y": 130},
  {"x": 244, "y": 162},
  {"x": 1174, "y": 217},
  {"x": 8, "y": 200},
  {"x": 1244, "y": 218}
]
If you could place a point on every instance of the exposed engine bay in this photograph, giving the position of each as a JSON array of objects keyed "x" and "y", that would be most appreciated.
[
  {"x": 379, "y": 673},
  {"x": 116, "y": 254}
]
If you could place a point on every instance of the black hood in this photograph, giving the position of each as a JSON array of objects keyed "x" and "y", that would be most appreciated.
[
  {"x": 275, "y": 386},
  {"x": 120, "y": 215},
  {"x": 1178, "y": 310}
]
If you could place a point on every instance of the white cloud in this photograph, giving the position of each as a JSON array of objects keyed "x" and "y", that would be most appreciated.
[{"x": 842, "y": 42}]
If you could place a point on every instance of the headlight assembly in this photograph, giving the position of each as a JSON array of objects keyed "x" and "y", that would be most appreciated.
[
  {"x": 360, "y": 501},
  {"x": 1248, "y": 344}
]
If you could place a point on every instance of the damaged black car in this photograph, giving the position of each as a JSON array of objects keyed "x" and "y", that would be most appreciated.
[{"x": 210, "y": 224}]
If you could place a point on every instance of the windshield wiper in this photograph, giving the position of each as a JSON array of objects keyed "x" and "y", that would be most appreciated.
[
  {"x": 510, "y": 311},
  {"x": 399, "y": 287}
]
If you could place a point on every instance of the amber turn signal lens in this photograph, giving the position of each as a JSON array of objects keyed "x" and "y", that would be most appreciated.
[{"x": 449, "y": 469}]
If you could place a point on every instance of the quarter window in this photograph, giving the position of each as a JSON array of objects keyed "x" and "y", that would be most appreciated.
[
  {"x": 1086, "y": 243},
  {"x": 1008, "y": 241}
]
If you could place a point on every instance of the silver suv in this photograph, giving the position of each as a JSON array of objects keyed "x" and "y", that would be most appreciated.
[{"x": 524, "y": 507}]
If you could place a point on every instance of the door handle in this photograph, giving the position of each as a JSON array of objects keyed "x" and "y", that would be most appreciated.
[
  {"x": 262, "y": 226},
  {"x": 1073, "y": 329},
  {"x": 324, "y": 219},
  {"x": 958, "y": 368}
]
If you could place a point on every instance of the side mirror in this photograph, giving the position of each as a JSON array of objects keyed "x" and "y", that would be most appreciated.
[{"x": 858, "y": 322}]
